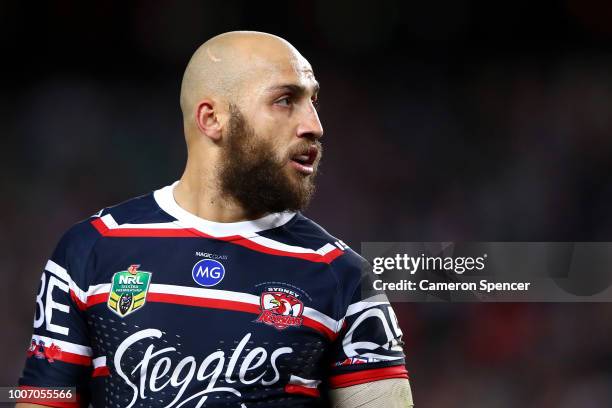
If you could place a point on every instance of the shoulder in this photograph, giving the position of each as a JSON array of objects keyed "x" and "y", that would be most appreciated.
[
  {"x": 347, "y": 265},
  {"x": 141, "y": 209},
  {"x": 350, "y": 270},
  {"x": 78, "y": 241}
]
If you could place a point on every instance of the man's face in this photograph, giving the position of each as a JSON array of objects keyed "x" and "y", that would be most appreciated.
[
  {"x": 272, "y": 150},
  {"x": 253, "y": 173}
]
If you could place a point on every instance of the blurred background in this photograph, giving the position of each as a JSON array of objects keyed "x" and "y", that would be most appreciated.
[{"x": 459, "y": 120}]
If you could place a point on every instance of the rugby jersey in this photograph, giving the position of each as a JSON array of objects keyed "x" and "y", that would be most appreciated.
[{"x": 145, "y": 304}]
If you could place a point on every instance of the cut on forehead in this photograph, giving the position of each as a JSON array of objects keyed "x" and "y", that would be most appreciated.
[{"x": 218, "y": 66}]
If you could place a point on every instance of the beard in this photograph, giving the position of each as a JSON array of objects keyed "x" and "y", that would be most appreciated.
[{"x": 252, "y": 174}]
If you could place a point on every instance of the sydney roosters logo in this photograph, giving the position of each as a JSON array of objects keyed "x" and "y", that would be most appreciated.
[{"x": 280, "y": 310}]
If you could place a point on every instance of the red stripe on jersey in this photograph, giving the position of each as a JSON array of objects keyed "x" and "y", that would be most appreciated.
[
  {"x": 212, "y": 304},
  {"x": 73, "y": 358},
  {"x": 365, "y": 376},
  {"x": 99, "y": 224},
  {"x": 327, "y": 258},
  {"x": 77, "y": 301},
  {"x": 68, "y": 357},
  {"x": 300, "y": 389},
  {"x": 228, "y": 305},
  {"x": 203, "y": 302},
  {"x": 48, "y": 402},
  {"x": 101, "y": 371},
  {"x": 97, "y": 298},
  {"x": 313, "y": 324}
]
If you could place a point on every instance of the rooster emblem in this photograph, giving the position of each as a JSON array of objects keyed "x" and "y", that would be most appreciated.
[{"x": 280, "y": 310}]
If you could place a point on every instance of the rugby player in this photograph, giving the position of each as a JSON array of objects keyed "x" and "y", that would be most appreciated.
[{"x": 216, "y": 291}]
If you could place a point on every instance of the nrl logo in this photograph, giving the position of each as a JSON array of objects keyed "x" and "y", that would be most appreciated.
[
  {"x": 280, "y": 310},
  {"x": 128, "y": 290}
]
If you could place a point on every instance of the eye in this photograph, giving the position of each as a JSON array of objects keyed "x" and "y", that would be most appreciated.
[{"x": 284, "y": 101}]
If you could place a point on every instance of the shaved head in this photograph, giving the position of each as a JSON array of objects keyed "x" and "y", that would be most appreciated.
[{"x": 222, "y": 65}]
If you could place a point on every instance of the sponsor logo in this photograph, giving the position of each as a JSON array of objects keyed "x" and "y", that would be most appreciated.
[
  {"x": 128, "y": 291},
  {"x": 41, "y": 351},
  {"x": 208, "y": 272},
  {"x": 280, "y": 309},
  {"x": 244, "y": 367},
  {"x": 209, "y": 255}
]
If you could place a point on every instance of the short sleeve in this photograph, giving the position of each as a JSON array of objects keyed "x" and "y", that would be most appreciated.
[
  {"x": 369, "y": 347},
  {"x": 59, "y": 353}
]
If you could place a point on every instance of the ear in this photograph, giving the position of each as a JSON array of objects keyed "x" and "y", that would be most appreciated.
[{"x": 207, "y": 119}]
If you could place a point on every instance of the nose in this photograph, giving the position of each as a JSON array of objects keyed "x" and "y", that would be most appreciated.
[{"x": 310, "y": 125}]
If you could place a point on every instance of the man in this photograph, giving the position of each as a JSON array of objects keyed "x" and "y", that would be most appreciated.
[{"x": 216, "y": 291}]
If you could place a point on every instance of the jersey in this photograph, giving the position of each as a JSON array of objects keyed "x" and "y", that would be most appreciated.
[{"x": 146, "y": 304}]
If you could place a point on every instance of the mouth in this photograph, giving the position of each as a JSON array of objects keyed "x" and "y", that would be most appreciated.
[{"x": 304, "y": 160}]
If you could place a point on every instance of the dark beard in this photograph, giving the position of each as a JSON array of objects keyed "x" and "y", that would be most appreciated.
[{"x": 251, "y": 174}]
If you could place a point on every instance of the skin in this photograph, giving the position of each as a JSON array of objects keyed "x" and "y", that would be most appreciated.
[{"x": 274, "y": 87}]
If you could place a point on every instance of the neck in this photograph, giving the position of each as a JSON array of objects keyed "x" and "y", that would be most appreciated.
[{"x": 198, "y": 192}]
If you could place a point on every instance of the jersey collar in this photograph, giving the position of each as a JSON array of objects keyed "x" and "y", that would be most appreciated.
[{"x": 165, "y": 199}]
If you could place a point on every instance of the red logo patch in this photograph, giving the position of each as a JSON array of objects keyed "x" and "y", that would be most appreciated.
[
  {"x": 280, "y": 310},
  {"x": 52, "y": 352},
  {"x": 41, "y": 351}
]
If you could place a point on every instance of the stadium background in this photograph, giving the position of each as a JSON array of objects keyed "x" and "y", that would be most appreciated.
[{"x": 462, "y": 120}]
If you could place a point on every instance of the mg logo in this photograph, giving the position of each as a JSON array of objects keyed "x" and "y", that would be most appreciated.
[{"x": 208, "y": 272}]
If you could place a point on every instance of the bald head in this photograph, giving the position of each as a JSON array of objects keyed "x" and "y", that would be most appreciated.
[{"x": 221, "y": 66}]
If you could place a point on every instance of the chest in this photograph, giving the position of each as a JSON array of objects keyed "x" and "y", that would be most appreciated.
[{"x": 204, "y": 312}]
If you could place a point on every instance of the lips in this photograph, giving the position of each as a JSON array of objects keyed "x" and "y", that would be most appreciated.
[{"x": 304, "y": 160}]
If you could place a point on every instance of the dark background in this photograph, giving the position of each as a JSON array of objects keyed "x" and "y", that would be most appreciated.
[{"x": 458, "y": 120}]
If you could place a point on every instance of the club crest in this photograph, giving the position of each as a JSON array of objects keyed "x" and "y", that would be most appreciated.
[
  {"x": 128, "y": 290},
  {"x": 280, "y": 310}
]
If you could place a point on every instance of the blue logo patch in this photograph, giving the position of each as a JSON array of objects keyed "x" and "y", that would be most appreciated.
[{"x": 208, "y": 272}]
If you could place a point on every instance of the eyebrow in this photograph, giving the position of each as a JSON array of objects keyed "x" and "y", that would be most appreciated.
[{"x": 298, "y": 90}]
